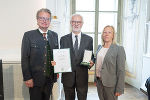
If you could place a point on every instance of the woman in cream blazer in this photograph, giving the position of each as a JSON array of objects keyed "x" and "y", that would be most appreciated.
[{"x": 110, "y": 66}]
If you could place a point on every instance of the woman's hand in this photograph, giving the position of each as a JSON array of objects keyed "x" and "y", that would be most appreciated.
[{"x": 117, "y": 94}]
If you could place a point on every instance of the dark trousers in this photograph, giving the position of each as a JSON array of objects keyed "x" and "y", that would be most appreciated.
[
  {"x": 41, "y": 93},
  {"x": 148, "y": 91},
  {"x": 105, "y": 93},
  {"x": 78, "y": 82},
  {"x": 147, "y": 84}
]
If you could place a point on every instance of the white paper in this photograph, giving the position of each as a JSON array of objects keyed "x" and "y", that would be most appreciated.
[
  {"x": 62, "y": 59},
  {"x": 87, "y": 56}
]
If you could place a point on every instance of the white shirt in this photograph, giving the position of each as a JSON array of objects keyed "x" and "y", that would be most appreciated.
[
  {"x": 74, "y": 39},
  {"x": 100, "y": 58},
  {"x": 43, "y": 32}
]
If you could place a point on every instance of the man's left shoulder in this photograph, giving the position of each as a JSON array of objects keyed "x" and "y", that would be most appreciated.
[
  {"x": 87, "y": 36},
  {"x": 52, "y": 32}
]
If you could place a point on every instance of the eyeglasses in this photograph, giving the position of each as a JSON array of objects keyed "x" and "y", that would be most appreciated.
[
  {"x": 43, "y": 19},
  {"x": 78, "y": 22}
]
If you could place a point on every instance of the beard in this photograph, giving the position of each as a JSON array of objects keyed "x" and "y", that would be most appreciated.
[{"x": 76, "y": 29}]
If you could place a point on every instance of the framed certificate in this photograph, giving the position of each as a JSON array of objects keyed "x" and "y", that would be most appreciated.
[{"x": 62, "y": 59}]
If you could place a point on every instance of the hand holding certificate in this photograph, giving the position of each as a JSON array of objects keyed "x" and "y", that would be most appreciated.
[{"x": 62, "y": 59}]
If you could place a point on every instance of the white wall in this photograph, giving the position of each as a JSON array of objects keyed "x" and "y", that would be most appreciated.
[
  {"x": 61, "y": 9},
  {"x": 17, "y": 17},
  {"x": 133, "y": 41},
  {"x": 145, "y": 71},
  {"x": 146, "y": 56}
]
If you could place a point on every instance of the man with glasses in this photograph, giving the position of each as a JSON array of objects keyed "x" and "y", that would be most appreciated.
[
  {"x": 78, "y": 43},
  {"x": 36, "y": 57}
]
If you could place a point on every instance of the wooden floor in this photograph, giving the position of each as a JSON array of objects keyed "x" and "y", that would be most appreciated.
[{"x": 131, "y": 93}]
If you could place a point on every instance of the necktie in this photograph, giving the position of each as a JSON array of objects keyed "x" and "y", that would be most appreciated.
[
  {"x": 44, "y": 35},
  {"x": 76, "y": 45}
]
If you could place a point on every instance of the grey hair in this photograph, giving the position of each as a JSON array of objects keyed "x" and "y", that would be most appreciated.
[
  {"x": 76, "y": 15},
  {"x": 43, "y": 10}
]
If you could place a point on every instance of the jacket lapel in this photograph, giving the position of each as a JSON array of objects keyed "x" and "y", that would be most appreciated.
[
  {"x": 50, "y": 39},
  {"x": 109, "y": 51},
  {"x": 81, "y": 44},
  {"x": 70, "y": 42}
]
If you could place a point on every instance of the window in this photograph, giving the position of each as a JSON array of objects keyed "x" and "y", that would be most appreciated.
[
  {"x": 96, "y": 14},
  {"x": 147, "y": 34},
  {"x": 147, "y": 39}
]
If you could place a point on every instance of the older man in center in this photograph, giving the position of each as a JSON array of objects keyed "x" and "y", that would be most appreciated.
[{"x": 78, "y": 42}]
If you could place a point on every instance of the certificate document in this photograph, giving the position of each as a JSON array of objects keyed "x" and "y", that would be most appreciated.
[{"x": 62, "y": 59}]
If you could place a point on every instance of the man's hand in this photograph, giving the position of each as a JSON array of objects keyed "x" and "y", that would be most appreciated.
[
  {"x": 117, "y": 94},
  {"x": 29, "y": 83},
  {"x": 53, "y": 63},
  {"x": 91, "y": 63},
  {"x": 95, "y": 83}
]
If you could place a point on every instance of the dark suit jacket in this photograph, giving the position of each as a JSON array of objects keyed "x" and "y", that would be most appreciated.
[
  {"x": 33, "y": 55},
  {"x": 113, "y": 67},
  {"x": 86, "y": 43}
]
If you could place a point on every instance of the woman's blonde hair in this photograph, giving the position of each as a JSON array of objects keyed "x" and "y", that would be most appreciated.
[{"x": 114, "y": 34}]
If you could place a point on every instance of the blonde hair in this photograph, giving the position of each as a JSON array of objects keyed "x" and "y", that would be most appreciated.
[{"x": 114, "y": 34}]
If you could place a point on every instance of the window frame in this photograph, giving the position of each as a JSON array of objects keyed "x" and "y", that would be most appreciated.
[{"x": 96, "y": 33}]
